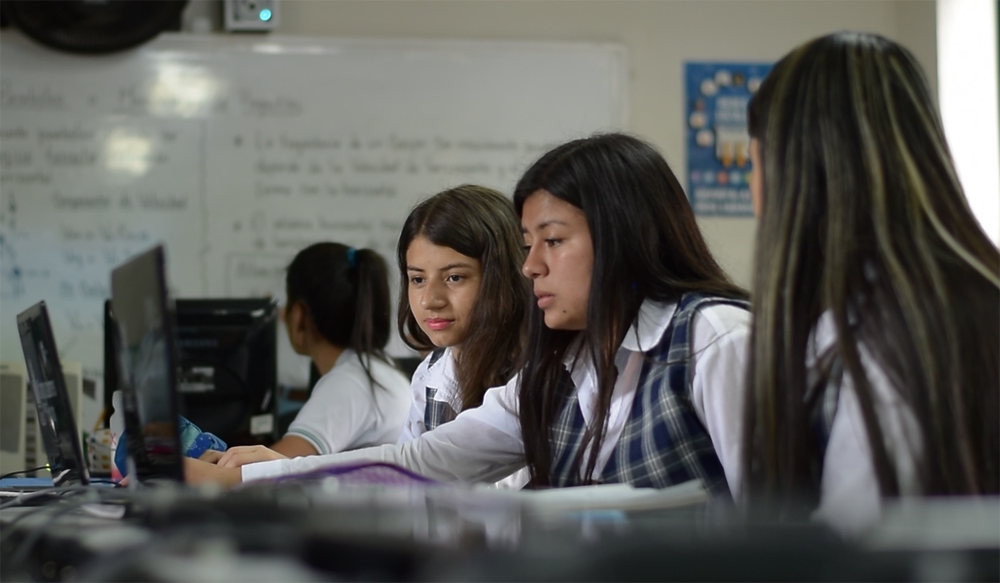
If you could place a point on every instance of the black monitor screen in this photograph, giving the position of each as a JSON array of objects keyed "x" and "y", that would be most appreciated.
[
  {"x": 228, "y": 367},
  {"x": 146, "y": 365},
  {"x": 52, "y": 404},
  {"x": 110, "y": 361}
]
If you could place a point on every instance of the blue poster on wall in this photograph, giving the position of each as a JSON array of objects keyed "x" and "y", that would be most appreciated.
[{"x": 718, "y": 162}]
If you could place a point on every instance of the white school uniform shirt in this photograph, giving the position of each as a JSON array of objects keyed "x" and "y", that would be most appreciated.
[
  {"x": 346, "y": 412},
  {"x": 442, "y": 377},
  {"x": 484, "y": 444},
  {"x": 850, "y": 500}
]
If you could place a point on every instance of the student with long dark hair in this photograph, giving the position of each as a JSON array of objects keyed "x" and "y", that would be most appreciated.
[
  {"x": 338, "y": 314},
  {"x": 874, "y": 370},
  {"x": 636, "y": 343},
  {"x": 463, "y": 301},
  {"x": 631, "y": 299}
]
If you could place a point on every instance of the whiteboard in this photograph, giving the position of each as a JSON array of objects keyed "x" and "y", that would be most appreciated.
[{"x": 236, "y": 152}]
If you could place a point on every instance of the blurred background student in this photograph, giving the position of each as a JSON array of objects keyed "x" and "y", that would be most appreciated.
[
  {"x": 338, "y": 314},
  {"x": 874, "y": 369}
]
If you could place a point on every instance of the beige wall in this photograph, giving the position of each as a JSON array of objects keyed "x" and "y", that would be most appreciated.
[{"x": 659, "y": 36}]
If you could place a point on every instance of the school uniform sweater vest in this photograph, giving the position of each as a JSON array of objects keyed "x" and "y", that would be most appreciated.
[
  {"x": 663, "y": 442},
  {"x": 821, "y": 400},
  {"x": 436, "y": 412}
]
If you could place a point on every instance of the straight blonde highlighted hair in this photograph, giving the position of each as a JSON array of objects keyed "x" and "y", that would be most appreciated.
[{"x": 864, "y": 218}]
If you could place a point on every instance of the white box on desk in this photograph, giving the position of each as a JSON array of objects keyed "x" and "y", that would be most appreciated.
[{"x": 22, "y": 446}]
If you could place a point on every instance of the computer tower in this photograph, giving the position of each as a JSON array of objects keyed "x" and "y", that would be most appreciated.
[
  {"x": 13, "y": 405},
  {"x": 227, "y": 376},
  {"x": 84, "y": 397}
]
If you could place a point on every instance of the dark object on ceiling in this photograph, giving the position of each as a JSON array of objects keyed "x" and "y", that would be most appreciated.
[{"x": 93, "y": 26}]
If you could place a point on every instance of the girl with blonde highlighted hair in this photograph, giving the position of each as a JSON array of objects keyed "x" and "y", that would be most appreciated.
[{"x": 875, "y": 349}]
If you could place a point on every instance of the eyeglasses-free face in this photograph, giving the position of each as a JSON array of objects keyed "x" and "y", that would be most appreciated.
[{"x": 560, "y": 259}]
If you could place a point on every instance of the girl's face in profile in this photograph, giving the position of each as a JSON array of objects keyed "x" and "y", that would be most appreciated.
[
  {"x": 560, "y": 259},
  {"x": 442, "y": 288}
]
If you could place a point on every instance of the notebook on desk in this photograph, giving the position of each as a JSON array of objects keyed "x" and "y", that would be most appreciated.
[
  {"x": 56, "y": 426},
  {"x": 147, "y": 367}
]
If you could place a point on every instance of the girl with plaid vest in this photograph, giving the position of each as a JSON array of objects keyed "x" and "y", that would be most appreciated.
[
  {"x": 873, "y": 370},
  {"x": 635, "y": 351}
]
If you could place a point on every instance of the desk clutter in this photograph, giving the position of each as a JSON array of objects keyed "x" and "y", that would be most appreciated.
[{"x": 316, "y": 529}]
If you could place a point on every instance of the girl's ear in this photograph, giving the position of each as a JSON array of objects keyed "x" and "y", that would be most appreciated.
[{"x": 296, "y": 324}]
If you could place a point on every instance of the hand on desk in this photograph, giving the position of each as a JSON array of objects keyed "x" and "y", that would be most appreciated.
[
  {"x": 211, "y": 456},
  {"x": 247, "y": 454},
  {"x": 199, "y": 472}
]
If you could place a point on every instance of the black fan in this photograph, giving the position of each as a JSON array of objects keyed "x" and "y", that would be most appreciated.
[{"x": 93, "y": 26}]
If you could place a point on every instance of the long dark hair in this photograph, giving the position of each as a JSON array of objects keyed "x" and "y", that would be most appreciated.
[
  {"x": 864, "y": 218},
  {"x": 646, "y": 245},
  {"x": 477, "y": 222},
  {"x": 345, "y": 292}
]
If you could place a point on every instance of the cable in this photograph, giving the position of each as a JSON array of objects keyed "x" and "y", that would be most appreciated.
[
  {"x": 21, "y": 554},
  {"x": 45, "y": 467},
  {"x": 20, "y": 500},
  {"x": 8, "y": 529}
]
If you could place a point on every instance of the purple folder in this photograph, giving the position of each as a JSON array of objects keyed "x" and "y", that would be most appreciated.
[{"x": 363, "y": 473}]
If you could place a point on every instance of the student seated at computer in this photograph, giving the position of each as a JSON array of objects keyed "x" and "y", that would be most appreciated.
[
  {"x": 635, "y": 351},
  {"x": 873, "y": 365},
  {"x": 464, "y": 301},
  {"x": 338, "y": 314}
]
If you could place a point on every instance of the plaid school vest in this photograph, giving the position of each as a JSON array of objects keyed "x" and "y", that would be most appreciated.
[
  {"x": 663, "y": 442},
  {"x": 821, "y": 400},
  {"x": 436, "y": 412}
]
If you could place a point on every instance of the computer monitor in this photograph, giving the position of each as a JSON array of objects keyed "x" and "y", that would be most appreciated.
[
  {"x": 110, "y": 362},
  {"x": 228, "y": 376},
  {"x": 52, "y": 403},
  {"x": 147, "y": 369}
]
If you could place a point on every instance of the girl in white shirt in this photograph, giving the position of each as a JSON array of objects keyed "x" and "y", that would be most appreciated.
[
  {"x": 874, "y": 370},
  {"x": 338, "y": 314},
  {"x": 463, "y": 300},
  {"x": 635, "y": 349}
]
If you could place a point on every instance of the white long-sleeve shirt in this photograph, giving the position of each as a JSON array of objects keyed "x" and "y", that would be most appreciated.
[
  {"x": 850, "y": 500},
  {"x": 442, "y": 377},
  {"x": 484, "y": 444}
]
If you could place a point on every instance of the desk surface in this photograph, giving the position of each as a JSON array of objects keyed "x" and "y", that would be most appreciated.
[{"x": 307, "y": 532}]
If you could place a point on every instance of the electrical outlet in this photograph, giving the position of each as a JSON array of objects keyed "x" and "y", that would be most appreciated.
[{"x": 251, "y": 15}]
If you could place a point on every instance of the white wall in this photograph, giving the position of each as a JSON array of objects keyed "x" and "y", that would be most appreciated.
[
  {"x": 659, "y": 35},
  {"x": 967, "y": 56}
]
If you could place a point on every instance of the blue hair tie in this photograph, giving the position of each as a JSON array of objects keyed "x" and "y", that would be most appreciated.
[{"x": 351, "y": 259}]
